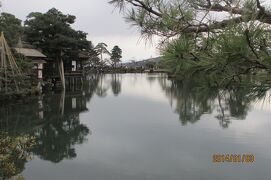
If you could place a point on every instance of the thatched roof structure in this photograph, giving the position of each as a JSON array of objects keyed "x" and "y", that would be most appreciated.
[{"x": 27, "y": 52}]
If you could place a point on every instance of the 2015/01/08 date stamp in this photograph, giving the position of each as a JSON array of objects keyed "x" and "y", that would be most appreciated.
[{"x": 233, "y": 158}]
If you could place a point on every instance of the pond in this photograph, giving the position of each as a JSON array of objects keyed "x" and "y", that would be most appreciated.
[{"x": 143, "y": 127}]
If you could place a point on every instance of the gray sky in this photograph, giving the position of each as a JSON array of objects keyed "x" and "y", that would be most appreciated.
[{"x": 96, "y": 17}]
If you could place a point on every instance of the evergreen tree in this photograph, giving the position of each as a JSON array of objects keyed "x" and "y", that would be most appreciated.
[
  {"x": 116, "y": 55},
  {"x": 193, "y": 41},
  {"x": 101, "y": 48},
  {"x": 12, "y": 28},
  {"x": 52, "y": 32}
]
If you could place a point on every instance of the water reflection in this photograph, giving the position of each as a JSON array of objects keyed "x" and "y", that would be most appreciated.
[
  {"x": 53, "y": 122},
  {"x": 56, "y": 140},
  {"x": 54, "y": 118},
  {"x": 116, "y": 84},
  {"x": 102, "y": 87},
  {"x": 194, "y": 98}
]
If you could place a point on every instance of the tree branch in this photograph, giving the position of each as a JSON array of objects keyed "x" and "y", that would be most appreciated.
[
  {"x": 220, "y": 8},
  {"x": 146, "y": 7},
  {"x": 262, "y": 15},
  {"x": 215, "y": 25}
]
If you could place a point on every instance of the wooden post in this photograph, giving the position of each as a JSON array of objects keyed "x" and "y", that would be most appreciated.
[
  {"x": 4, "y": 63},
  {"x": 61, "y": 71},
  {"x": 1, "y": 61},
  {"x": 7, "y": 62},
  {"x": 62, "y": 102}
]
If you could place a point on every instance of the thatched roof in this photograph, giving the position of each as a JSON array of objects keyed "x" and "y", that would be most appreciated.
[{"x": 27, "y": 52}]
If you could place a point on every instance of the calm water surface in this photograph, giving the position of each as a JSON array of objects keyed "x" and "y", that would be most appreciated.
[{"x": 143, "y": 127}]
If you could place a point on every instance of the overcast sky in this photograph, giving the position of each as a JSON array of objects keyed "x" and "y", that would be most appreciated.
[{"x": 96, "y": 17}]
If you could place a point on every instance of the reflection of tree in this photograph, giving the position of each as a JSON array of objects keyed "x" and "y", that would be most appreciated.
[
  {"x": 194, "y": 97},
  {"x": 151, "y": 79},
  {"x": 90, "y": 86},
  {"x": 224, "y": 120},
  {"x": 101, "y": 83},
  {"x": 21, "y": 117},
  {"x": 56, "y": 133},
  {"x": 102, "y": 88},
  {"x": 190, "y": 104},
  {"x": 116, "y": 84},
  {"x": 53, "y": 119},
  {"x": 55, "y": 141}
]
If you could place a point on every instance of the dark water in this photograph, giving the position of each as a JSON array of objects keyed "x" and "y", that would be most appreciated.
[{"x": 143, "y": 127}]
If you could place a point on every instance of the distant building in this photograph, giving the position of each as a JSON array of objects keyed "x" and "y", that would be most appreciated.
[
  {"x": 72, "y": 68},
  {"x": 75, "y": 67},
  {"x": 37, "y": 58}
]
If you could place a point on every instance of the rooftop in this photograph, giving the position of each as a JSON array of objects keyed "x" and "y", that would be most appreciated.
[{"x": 27, "y": 52}]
